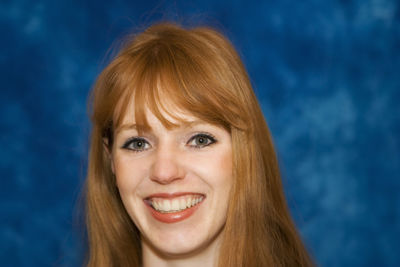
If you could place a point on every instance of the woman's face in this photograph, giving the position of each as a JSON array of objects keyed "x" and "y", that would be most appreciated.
[{"x": 174, "y": 183}]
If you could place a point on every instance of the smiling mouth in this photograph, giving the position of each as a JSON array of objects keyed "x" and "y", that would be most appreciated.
[{"x": 174, "y": 204}]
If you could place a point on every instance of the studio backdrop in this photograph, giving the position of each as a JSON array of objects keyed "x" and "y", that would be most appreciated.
[{"x": 325, "y": 72}]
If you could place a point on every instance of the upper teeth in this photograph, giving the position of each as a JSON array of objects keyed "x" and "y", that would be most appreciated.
[{"x": 175, "y": 204}]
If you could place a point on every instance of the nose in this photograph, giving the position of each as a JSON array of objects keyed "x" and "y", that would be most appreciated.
[{"x": 166, "y": 167}]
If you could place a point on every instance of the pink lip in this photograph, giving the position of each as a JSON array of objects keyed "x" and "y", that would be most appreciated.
[{"x": 172, "y": 217}]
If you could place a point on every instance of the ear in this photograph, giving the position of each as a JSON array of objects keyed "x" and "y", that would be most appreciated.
[{"x": 108, "y": 151}]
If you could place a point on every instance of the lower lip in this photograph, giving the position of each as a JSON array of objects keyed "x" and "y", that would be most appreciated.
[{"x": 173, "y": 217}]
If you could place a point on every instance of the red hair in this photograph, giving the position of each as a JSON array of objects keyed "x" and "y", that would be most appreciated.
[{"x": 198, "y": 71}]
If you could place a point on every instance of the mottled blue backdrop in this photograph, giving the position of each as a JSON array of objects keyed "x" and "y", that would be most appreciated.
[{"x": 326, "y": 74}]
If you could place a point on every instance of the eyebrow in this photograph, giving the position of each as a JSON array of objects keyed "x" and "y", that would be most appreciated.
[
  {"x": 126, "y": 126},
  {"x": 134, "y": 126}
]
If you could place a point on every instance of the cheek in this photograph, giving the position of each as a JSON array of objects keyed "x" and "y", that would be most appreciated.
[
  {"x": 224, "y": 177},
  {"x": 128, "y": 173},
  {"x": 215, "y": 168},
  {"x": 224, "y": 167}
]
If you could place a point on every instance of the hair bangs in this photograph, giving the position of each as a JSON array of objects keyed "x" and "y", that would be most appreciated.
[{"x": 172, "y": 79}]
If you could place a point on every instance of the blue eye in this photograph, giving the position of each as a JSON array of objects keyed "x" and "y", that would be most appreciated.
[
  {"x": 201, "y": 140},
  {"x": 136, "y": 144}
]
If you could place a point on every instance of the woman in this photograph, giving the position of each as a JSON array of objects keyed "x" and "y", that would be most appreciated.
[{"x": 182, "y": 169}]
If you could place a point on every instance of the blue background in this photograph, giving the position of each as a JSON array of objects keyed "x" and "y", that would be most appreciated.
[{"x": 326, "y": 74}]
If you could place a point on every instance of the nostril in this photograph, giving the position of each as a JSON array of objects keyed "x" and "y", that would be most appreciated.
[
  {"x": 166, "y": 165},
  {"x": 165, "y": 171},
  {"x": 165, "y": 179}
]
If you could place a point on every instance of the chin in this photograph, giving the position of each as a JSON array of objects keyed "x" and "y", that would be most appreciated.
[
  {"x": 179, "y": 247},
  {"x": 183, "y": 239}
]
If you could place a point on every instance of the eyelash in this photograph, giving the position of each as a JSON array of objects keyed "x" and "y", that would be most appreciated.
[
  {"x": 131, "y": 141},
  {"x": 210, "y": 140}
]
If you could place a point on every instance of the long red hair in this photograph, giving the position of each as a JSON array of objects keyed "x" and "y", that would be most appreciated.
[{"x": 200, "y": 72}]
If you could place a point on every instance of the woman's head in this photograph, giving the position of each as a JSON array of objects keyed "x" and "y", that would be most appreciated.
[{"x": 163, "y": 80}]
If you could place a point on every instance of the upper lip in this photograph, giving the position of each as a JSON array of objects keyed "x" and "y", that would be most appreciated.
[{"x": 172, "y": 195}]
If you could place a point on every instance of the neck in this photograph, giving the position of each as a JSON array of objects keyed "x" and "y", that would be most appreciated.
[{"x": 207, "y": 257}]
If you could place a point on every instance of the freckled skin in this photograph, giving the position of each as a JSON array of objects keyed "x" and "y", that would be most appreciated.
[{"x": 171, "y": 162}]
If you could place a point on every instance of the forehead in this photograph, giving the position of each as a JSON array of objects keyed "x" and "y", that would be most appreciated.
[
  {"x": 167, "y": 103},
  {"x": 169, "y": 116}
]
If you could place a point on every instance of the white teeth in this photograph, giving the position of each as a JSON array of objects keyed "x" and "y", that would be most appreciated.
[
  {"x": 176, "y": 204},
  {"x": 166, "y": 205},
  {"x": 188, "y": 203},
  {"x": 182, "y": 204}
]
